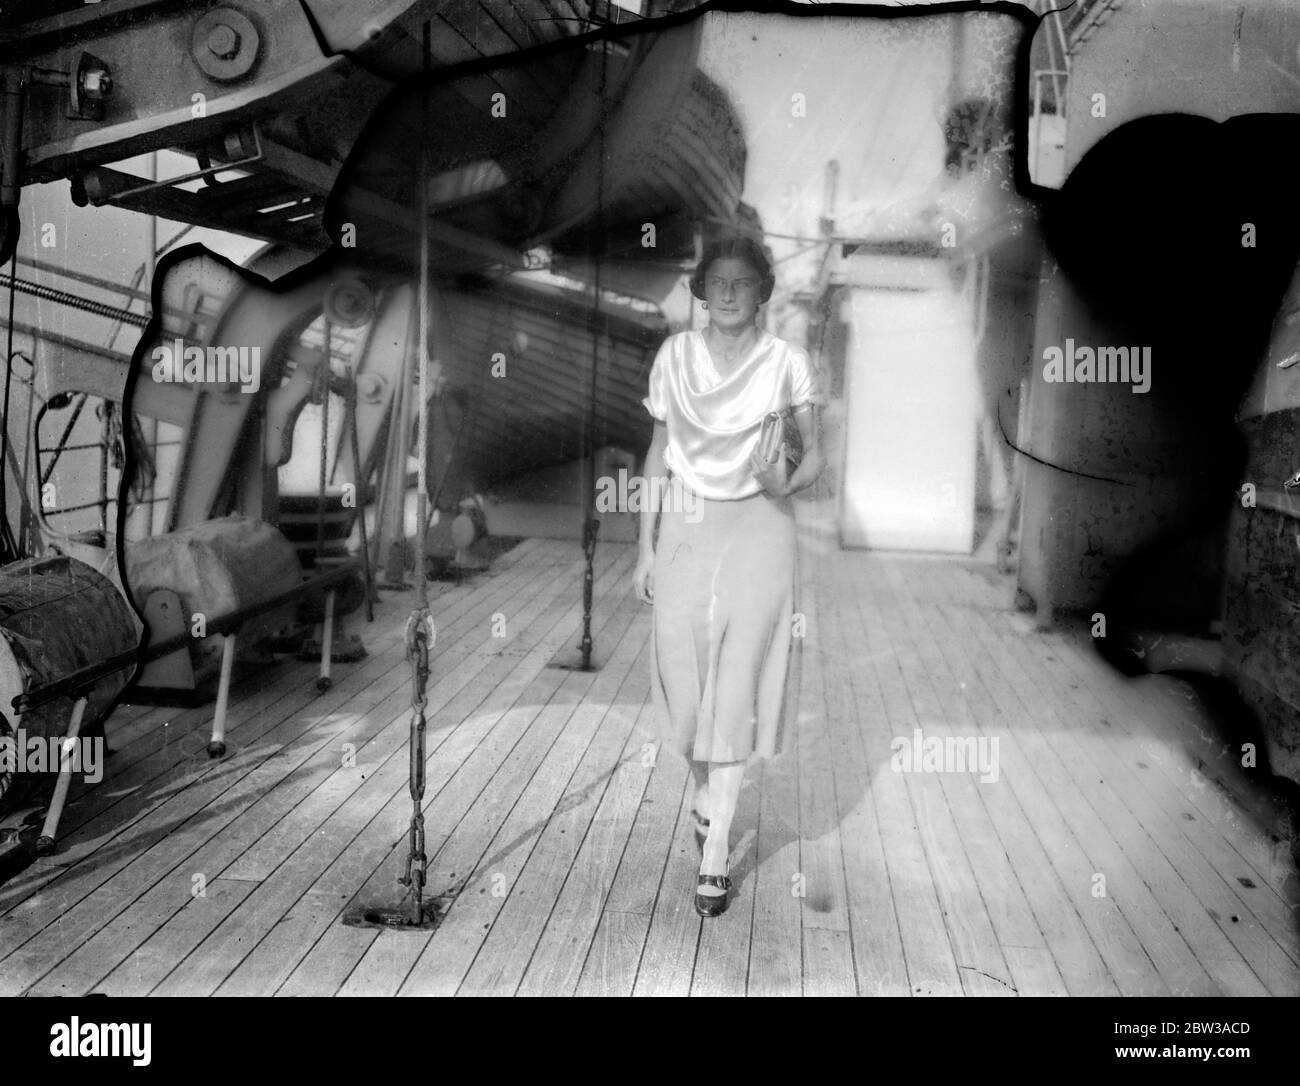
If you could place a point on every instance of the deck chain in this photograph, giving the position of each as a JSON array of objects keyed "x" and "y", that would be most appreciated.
[{"x": 420, "y": 637}]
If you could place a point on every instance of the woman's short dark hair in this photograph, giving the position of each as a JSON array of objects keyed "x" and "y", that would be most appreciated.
[{"x": 735, "y": 247}]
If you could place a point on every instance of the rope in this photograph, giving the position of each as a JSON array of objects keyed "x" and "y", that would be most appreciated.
[
  {"x": 29, "y": 538},
  {"x": 590, "y": 525},
  {"x": 323, "y": 378},
  {"x": 105, "y": 441},
  {"x": 350, "y": 408},
  {"x": 9, "y": 551}
]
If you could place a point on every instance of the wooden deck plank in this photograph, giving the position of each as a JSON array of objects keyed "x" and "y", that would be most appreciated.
[
  {"x": 828, "y": 962},
  {"x": 259, "y": 788},
  {"x": 561, "y": 954},
  {"x": 541, "y": 776},
  {"x": 821, "y": 862},
  {"x": 886, "y": 711},
  {"x": 167, "y": 893},
  {"x": 491, "y": 774},
  {"x": 389, "y": 962},
  {"x": 722, "y": 954},
  {"x": 1202, "y": 831},
  {"x": 1159, "y": 713},
  {"x": 184, "y": 927},
  {"x": 124, "y": 798},
  {"x": 242, "y": 934},
  {"x": 1028, "y": 830},
  {"x": 1116, "y": 926},
  {"x": 482, "y": 811},
  {"x": 291, "y": 942},
  {"x": 86, "y": 897},
  {"x": 461, "y": 808},
  {"x": 636, "y": 882},
  {"x": 469, "y": 647},
  {"x": 1145, "y": 840},
  {"x": 1036, "y": 749},
  {"x": 1187, "y": 889},
  {"x": 571, "y": 795},
  {"x": 939, "y": 807},
  {"x": 290, "y": 792},
  {"x": 976, "y": 854},
  {"x": 876, "y": 938},
  {"x": 328, "y": 960},
  {"x": 625, "y": 921},
  {"x": 776, "y": 947},
  {"x": 383, "y": 788},
  {"x": 308, "y": 782},
  {"x": 668, "y": 957},
  {"x": 780, "y": 875},
  {"x": 611, "y": 962},
  {"x": 1127, "y": 924},
  {"x": 1026, "y": 903},
  {"x": 1105, "y": 956}
]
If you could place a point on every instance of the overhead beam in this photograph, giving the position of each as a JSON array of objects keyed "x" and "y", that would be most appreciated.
[{"x": 320, "y": 177}]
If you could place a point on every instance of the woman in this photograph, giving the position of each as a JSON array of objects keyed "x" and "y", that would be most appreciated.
[{"x": 721, "y": 574}]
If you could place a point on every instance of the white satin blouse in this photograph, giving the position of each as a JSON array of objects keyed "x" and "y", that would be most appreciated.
[{"x": 713, "y": 421}]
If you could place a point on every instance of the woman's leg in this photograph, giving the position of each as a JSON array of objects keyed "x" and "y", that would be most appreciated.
[
  {"x": 700, "y": 771},
  {"x": 724, "y": 793}
]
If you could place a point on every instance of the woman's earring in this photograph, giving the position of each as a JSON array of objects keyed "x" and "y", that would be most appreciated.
[{"x": 704, "y": 305}]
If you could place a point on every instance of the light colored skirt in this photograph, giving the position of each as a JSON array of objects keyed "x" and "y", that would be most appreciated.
[{"x": 724, "y": 582}]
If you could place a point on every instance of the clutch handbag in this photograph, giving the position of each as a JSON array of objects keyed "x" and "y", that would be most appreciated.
[{"x": 778, "y": 427}]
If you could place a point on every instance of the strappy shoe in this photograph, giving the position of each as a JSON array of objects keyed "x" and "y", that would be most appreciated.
[{"x": 708, "y": 905}]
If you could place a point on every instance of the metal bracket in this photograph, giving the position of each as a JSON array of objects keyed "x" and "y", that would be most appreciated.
[{"x": 234, "y": 144}]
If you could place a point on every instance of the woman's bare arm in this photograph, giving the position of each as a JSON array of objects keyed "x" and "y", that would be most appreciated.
[
  {"x": 655, "y": 474},
  {"x": 814, "y": 461}
]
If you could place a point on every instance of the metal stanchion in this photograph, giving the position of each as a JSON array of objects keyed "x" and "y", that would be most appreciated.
[
  {"x": 217, "y": 745},
  {"x": 326, "y": 643},
  {"x": 45, "y": 842}
]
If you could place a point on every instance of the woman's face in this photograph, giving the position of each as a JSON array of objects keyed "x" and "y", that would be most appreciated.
[{"x": 731, "y": 287}]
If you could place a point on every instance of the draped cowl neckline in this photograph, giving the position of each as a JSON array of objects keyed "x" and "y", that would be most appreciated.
[
  {"x": 714, "y": 418},
  {"x": 713, "y": 421},
  {"x": 737, "y": 400}
]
